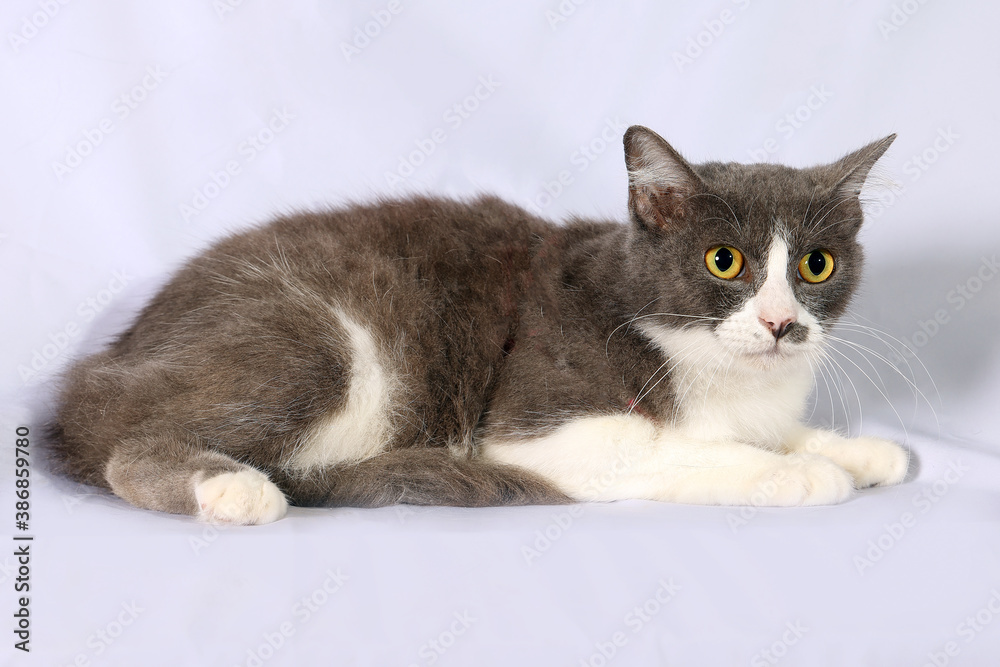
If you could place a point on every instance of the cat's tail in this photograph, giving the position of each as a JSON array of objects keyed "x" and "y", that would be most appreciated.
[{"x": 417, "y": 476}]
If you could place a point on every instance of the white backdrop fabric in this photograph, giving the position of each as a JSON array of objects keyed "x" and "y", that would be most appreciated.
[{"x": 135, "y": 133}]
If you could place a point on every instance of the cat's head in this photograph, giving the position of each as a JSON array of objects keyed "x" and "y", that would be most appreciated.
[{"x": 749, "y": 262}]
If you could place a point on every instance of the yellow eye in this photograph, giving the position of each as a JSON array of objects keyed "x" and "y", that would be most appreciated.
[
  {"x": 816, "y": 266},
  {"x": 724, "y": 261}
]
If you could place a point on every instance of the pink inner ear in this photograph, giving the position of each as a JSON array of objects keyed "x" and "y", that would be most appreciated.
[{"x": 656, "y": 206}]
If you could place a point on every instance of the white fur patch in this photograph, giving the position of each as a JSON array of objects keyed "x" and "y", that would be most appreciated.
[
  {"x": 361, "y": 427},
  {"x": 247, "y": 498},
  {"x": 744, "y": 331},
  {"x": 577, "y": 454},
  {"x": 870, "y": 461},
  {"x": 776, "y": 300},
  {"x": 624, "y": 456},
  {"x": 722, "y": 396}
]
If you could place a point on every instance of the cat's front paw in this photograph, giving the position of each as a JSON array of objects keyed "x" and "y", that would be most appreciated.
[
  {"x": 871, "y": 461},
  {"x": 247, "y": 497},
  {"x": 805, "y": 479}
]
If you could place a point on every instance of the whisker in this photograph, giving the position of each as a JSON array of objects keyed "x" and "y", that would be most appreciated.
[
  {"x": 889, "y": 402},
  {"x": 728, "y": 222},
  {"x": 878, "y": 333},
  {"x": 839, "y": 386},
  {"x": 918, "y": 393},
  {"x": 636, "y": 317},
  {"x": 863, "y": 349},
  {"x": 833, "y": 208},
  {"x": 739, "y": 227},
  {"x": 642, "y": 392},
  {"x": 690, "y": 385},
  {"x": 808, "y": 206},
  {"x": 676, "y": 364},
  {"x": 843, "y": 374},
  {"x": 629, "y": 322}
]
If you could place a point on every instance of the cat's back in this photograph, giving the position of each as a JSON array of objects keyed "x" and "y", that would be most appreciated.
[
  {"x": 391, "y": 313},
  {"x": 443, "y": 253},
  {"x": 422, "y": 230}
]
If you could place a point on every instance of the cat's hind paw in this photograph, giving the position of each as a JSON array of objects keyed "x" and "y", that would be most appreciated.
[
  {"x": 247, "y": 497},
  {"x": 806, "y": 479}
]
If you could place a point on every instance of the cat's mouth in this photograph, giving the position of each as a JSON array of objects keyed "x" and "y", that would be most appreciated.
[{"x": 773, "y": 354}]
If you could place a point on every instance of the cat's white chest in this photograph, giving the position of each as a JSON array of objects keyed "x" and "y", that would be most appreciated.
[
  {"x": 760, "y": 409},
  {"x": 718, "y": 400}
]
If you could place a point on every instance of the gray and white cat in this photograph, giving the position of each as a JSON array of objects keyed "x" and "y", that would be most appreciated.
[{"x": 431, "y": 351}]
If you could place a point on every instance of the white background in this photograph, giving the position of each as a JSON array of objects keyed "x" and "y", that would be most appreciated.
[{"x": 94, "y": 189}]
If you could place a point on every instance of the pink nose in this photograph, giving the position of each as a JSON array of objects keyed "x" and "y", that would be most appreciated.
[{"x": 779, "y": 327}]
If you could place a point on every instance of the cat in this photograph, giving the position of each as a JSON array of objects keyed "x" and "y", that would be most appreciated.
[{"x": 440, "y": 352}]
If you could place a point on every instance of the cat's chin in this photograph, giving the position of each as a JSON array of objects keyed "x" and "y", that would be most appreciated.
[{"x": 774, "y": 357}]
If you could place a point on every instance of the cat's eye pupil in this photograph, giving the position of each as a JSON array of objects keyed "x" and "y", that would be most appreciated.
[
  {"x": 817, "y": 263},
  {"x": 724, "y": 259}
]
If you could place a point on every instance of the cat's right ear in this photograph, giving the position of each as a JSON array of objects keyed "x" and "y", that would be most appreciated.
[
  {"x": 660, "y": 181},
  {"x": 852, "y": 170}
]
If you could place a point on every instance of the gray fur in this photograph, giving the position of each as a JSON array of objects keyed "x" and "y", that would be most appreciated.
[{"x": 495, "y": 322}]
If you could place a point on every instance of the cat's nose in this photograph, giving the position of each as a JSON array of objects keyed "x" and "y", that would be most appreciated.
[{"x": 778, "y": 328}]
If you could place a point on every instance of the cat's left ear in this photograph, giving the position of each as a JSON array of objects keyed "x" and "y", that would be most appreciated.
[
  {"x": 852, "y": 170},
  {"x": 660, "y": 182}
]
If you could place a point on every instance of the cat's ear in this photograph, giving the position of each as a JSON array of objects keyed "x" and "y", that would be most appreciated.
[
  {"x": 660, "y": 181},
  {"x": 851, "y": 171}
]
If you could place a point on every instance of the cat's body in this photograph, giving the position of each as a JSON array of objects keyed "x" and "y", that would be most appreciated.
[{"x": 436, "y": 352}]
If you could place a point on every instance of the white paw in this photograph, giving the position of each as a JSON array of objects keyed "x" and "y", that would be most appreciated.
[
  {"x": 247, "y": 497},
  {"x": 803, "y": 479},
  {"x": 871, "y": 461}
]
